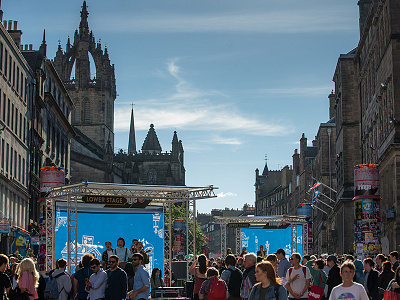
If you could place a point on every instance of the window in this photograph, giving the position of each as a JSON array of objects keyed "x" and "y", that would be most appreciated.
[
  {"x": 8, "y": 112},
  {"x": 24, "y": 136},
  {"x": 19, "y": 168},
  {"x": 16, "y": 121},
  {"x": 5, "y": 62},
  {"x": 15, "y": 163},
  {"x": 17, "y": 87},
  {"x": 7, "y": 156},
  {"x": 2, "y": 154},
  {"x": 12, "y": 117},
  {"x": 9, "y": 68},
  {"x": 20, "y": 126},
  {"x": 86, "y": 112},
  {"x": 11, "y": 161},
  {"x": 13, "y": 77},
  {"x": 23, "y": 170},
  {"x": 1, "y": 56}
]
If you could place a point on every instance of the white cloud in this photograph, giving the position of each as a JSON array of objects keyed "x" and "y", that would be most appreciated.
[
  {"x": 195, "y": 110},
  {"x": 264, "y": 20},
  {"x": 228, "y": 194},
  {"x": 291, "y": 91}
]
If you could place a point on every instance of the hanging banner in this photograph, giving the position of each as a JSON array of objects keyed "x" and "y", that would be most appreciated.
[
  {"x": 51, "y": 177},
  {"x": 366, "y": 179}
]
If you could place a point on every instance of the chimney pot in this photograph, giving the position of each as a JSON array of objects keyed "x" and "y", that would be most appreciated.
[
  {"x": 5, "y": 24},
  {"x": 15, "y": 25},
  {"x": 30, "y": 46},
  {"x": 26, "y": 46},
  {"x": 9, "y": 25},
  {"x": 21, "y": 47}
]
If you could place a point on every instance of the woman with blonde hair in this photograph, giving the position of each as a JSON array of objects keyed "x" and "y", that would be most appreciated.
[
  {"x": 28, "y": 278},
  {"x": 268, "y": 286}
]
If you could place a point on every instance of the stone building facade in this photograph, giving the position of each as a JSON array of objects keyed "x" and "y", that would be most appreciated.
[
  {"x": 273, "y": 189},
  {"x": 377, "y": 62},
  {"x": 14, "y": 140},
  {"x": 50, "y": 126}
]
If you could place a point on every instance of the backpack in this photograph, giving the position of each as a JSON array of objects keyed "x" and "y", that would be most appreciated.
[
  {"x": 235, "y": 281},
  {"x": 51, "y": 291},
  {"x": 304, "y": 271},
  {"x": 217, "y": 290}
]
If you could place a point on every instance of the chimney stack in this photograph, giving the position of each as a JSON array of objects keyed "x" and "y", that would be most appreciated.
[{"x": 14, "y": 32}]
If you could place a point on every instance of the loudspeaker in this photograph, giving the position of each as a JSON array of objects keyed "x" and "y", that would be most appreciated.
[{"x": 180, "y": 269}]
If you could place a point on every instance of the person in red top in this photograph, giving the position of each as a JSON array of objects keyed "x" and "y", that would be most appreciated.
[
  {"x": 28, "y": 278},
  {"x": 199, "y": 273},
  {"x": 213, "y": 288}
]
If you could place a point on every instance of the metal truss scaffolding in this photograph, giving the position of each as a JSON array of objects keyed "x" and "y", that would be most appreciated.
[
  {"x": 163, "y": 196},
  {"x": 251, "y": 221}
]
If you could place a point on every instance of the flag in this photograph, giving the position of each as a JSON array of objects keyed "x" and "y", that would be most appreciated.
[
  {"x": 317, "y": 184},
  {"x": 316, "y": 193}
]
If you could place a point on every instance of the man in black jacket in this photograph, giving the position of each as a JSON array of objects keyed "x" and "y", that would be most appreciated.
[
  {"x": 371, "y": 279},
  {"x": 334, "y": 278},
  {"x": 117, "y": 282}
]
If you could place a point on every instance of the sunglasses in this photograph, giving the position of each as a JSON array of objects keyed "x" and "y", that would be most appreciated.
[
  {"x": 93, "y": 267},
  {"x": 135, "y": 259},
  {"x": 113, "y": 261}
]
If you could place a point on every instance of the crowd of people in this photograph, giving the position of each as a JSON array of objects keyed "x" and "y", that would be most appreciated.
[
  {"x": 264, "y": 277},
  {"x": 121, "y": 274}
]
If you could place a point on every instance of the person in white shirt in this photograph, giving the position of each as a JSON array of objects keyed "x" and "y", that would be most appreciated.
[
  {"x": 348, "y": 290},
  {"x": 96, "y": 284},
  {"x": 298, "y": 278}
]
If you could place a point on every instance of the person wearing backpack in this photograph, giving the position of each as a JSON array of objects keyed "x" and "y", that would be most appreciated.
[
  {"x": 213, "y": 288},
  {"x": 233, "y": 277},
  {"x": 61, "y": 281},
  {"x": 298, "y": 279},
  {"x": 268, "y": 286},
  {"x": 81, "y": 276}
]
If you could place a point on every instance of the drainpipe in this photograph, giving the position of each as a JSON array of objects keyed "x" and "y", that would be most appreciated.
[{"x": 329, "y": 130}]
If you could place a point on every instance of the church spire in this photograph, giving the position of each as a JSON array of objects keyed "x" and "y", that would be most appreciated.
[
  {"x": 265, "y": 171},
  {"x": 43, "y": 46},
  {"x": 151, "y": 143},
  {"x": 132, "y": 139},
  {"x": 84, "y": 26},
  {"x": 175, "y": 143}
]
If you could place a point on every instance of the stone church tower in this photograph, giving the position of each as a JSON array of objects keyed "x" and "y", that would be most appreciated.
[
  {"x": 92, "y": 151},
  {"x": 93, "y": 97}
]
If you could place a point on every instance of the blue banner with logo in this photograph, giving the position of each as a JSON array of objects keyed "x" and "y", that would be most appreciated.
[
  {"x": 270, "y": 239},
  {"x": 95, "y": 228}
]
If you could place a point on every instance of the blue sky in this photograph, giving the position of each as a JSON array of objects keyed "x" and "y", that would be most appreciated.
[{"x": 237, "y": 80}]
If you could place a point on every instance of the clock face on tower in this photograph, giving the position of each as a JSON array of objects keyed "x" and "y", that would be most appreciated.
[{"x": 152, "y": 177}]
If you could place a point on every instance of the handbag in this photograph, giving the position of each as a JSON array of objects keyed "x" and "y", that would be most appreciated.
[
  {"x": 390, "y": 295},
  {"x": 316, "y": 291},
  {"x": 17, "y": 295}
]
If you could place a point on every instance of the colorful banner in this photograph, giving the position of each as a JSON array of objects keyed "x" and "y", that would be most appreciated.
[{"x": 367, "y": 226}]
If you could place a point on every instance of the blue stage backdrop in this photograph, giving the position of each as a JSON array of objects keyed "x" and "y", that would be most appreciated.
[
  {"x": 95, "y": 228},
  {"x": 271, "y": 239}
]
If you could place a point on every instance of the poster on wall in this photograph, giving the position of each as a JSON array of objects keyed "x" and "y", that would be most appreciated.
[
  {"x": 146, "y": 226},
  {"x": 367, "y": 226},
  {"x": 270, "y": 239}
]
